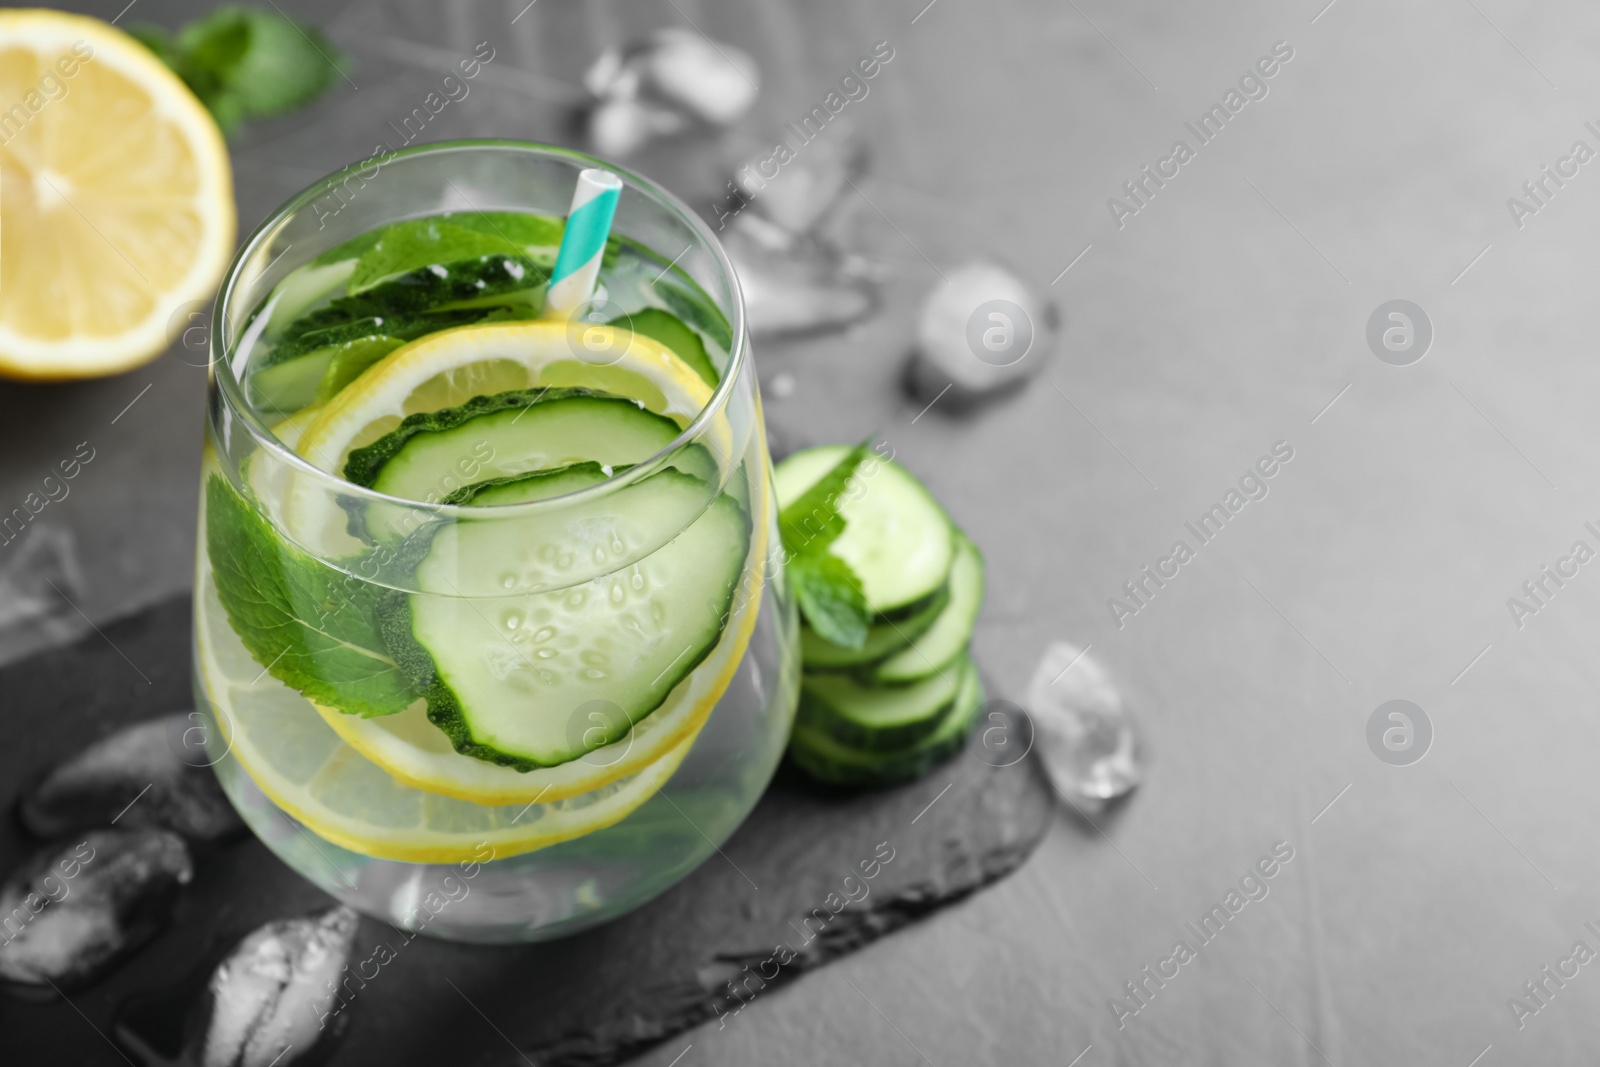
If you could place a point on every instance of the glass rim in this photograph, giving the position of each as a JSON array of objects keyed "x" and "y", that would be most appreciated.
[{"x": 231, "y": 391}]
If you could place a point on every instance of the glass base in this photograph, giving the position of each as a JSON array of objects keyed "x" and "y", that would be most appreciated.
[{"x": 561, "y": 889}]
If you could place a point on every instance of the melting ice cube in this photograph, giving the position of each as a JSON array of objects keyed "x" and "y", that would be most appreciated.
[
  {"x": 982, "y": 331},
  {"x": 796, "y": 284},
  {"x": 150, "y": 774},
  {"x": 274, "y": 994},
  {"x": 1090, "y": 741},
  {"x": 662, "y": 85},
  {"x": 74, "y": 910},
  {"x": 39, "y": 582}
]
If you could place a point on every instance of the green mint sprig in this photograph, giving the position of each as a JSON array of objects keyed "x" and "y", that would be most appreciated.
[
  {"x": 316, "y": 629},
  {"x": 247, "y": 63},
  {"x": 827, "y": 589}
]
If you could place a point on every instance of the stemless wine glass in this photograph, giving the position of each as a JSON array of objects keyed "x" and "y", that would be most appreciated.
[{"x": 343, "y": 635}]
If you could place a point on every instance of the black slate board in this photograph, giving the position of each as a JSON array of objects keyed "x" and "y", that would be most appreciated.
[{"x": 595, "y": 998}]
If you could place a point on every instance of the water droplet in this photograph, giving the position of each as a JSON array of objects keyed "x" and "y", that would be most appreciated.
[
  {"x": 543, "y": 634},
  {"x": 508, "y": 580},
  {"x": 513, "y": 620},
  {"x": 1091, "y": 742}
]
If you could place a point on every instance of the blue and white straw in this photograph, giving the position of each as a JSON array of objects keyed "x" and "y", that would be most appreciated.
[{"x": 577, "y": 269}]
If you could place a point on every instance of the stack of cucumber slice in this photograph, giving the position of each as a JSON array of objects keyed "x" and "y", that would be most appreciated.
[{"x": 906, "y": 698}]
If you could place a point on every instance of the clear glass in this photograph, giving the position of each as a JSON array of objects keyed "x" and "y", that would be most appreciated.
[{"x": 647, "y": 813}]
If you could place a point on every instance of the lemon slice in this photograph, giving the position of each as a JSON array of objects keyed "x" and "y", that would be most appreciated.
[
  {"x": 453, "y": 366},
  {"x": 116, "y": 199},
  {"x": 449, "y": 368},
  {"x": 416, "y": 752},
  {"x": 305, "y": 768}
]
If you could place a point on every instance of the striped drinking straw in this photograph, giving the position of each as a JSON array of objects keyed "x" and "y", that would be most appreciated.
[{"x": 577, "y": 269}]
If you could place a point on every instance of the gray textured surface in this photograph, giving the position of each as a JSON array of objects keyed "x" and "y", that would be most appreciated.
[
  {"x": 819, "y": 872},
  {"x": 1223, "y": 318}
]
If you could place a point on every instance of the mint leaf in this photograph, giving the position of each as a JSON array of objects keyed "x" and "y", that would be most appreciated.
[
  {"x": 244, "y": 62},
  {"x": 830, "y": 596},
  {"x": 418, "y": 302},
  {"x": 407, "y": 327},
  {"x": 418, "y": 244},
  {"x": 812, "y": 521},
  {"x": 158, "y": 41},
  {"x": 828, "y": 590},
  {"x": 520, "y": 228},
  {"x": 314, "y": 628},
  {"x": 283, "y": 65}
]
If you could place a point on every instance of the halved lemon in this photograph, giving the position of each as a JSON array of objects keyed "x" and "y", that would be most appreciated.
[
  {"x": 306, "y": 769},
  {"x": 116, "y": 198}
]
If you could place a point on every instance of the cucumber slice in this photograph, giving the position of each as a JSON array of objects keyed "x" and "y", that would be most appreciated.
[
  {"x": 350, "y": 361},
  {"x": 876, "y": 718},
  {"x": 947, "y": 637},
  {"x": 291, "y": 385},
  {"x": 828, "y": 761},
  {"x": 897, "y": 538},
  {"x": 884, "y": 639},
  {"x": 539, "y": 680},
  {"x": 672, "y": 332},
  {"x": 492, "y": 438},
  {"x": 303, "y": 288},
  {"x": 540, "y": 485}
]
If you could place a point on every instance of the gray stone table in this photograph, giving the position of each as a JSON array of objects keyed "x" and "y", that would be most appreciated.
[{"x": 1227, "y": 314}]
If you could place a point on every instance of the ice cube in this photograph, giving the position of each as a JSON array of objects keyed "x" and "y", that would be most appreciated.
[
  {"x": 150, "y": 775},
  {"x": 981, "y": 333},
  {"x": 796, "y": 284},
  {"x": 39, "y": 582},
  {"x": 275, "y": 993},
  {"x": 622, "y": 127},
  {"x": 663, "y": 84},
  {"x": 713, "y": 81},
  {"x": 797, "y": 194},
  {"x": 73, "y": 911},
  {"x": 1087, "y": 735}
]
